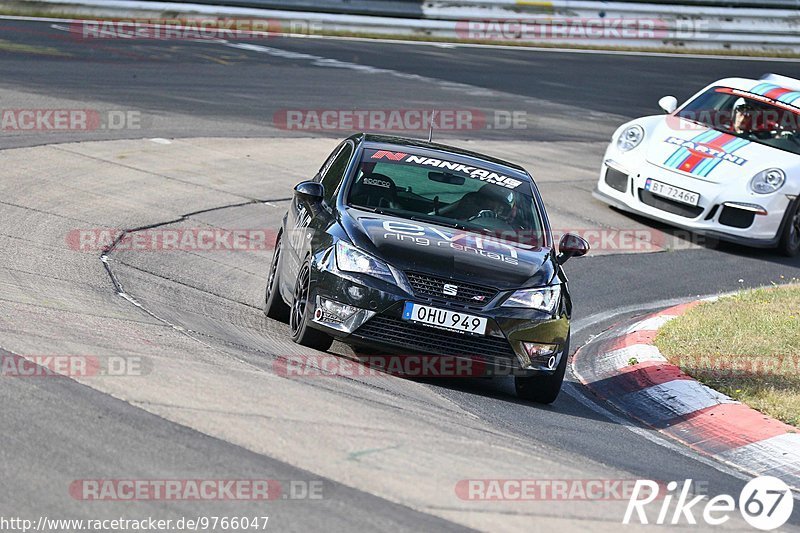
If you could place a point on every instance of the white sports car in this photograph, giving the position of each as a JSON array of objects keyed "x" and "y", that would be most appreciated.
[{"x": 726, "y": 163}]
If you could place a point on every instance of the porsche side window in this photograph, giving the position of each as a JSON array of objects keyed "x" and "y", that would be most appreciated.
[{"x": 332, "y": 177}]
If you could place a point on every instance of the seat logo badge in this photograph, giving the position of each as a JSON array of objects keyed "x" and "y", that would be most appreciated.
[{"x": 450, "y": 290}]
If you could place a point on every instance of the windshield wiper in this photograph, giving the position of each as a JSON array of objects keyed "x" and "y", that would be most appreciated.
[
  {"x": 449, "y": 224},
  {"x": 376, "y": 210}
]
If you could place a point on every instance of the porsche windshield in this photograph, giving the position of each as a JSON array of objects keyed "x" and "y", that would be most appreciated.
[
  {"x": 761, "y": 119},
  {"x": 447, "y": 193}
]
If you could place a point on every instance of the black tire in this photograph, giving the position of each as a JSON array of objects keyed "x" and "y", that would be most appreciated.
[
  {"x": 543, "y": 388},
  {"x": 298, "y": 315},
  {"x": 790, "y": 237},
  {"x": 274, "y": 306}
]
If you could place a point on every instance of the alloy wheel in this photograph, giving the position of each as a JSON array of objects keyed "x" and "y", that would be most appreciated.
[{"x": 299, "y": 301}]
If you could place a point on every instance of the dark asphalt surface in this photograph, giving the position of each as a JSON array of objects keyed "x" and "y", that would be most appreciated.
[
  {"x": 217, "y": 82},
  {"x": 244, "y": 89},
  {"x": 118, "y": 438}
]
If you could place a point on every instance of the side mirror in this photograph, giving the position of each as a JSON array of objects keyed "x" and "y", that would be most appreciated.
[
  {"x": 571, "y": 245},
  {"x": 309, "y": 193},
  {"x": 668, "y": 103}
]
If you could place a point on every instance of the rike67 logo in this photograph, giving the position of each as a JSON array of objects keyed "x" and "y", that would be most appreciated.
[{"x": 765, "y": 503}]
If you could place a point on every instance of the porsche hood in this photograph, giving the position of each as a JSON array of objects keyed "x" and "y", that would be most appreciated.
[{"x": 709, "y": 154}]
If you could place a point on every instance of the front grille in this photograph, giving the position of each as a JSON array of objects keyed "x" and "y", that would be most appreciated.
[
  {"x": 670, "y": 206},
  {"x": 426, "y": 340},
  {"x": 426, "y": 286},
  {"x": 616, "y": 179},
  {"x": 736, "y": 218}
]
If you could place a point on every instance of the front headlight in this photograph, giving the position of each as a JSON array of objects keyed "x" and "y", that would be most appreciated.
[
  {"x": 544, "y": 299},
  {"x": 630, "y": 138},
  {"x": 351, "y": 259},
  {"x": 768, "y": 181}
]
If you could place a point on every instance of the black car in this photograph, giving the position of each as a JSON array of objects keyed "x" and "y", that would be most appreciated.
[{"x": 403, "y": 246}]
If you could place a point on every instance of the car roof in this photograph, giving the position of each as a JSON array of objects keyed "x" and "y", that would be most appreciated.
[
  {"x": 765, "y": 82},
  {"x": 373, "y": 141}
]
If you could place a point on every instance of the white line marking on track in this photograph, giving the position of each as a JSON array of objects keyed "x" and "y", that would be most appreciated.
[{"x": 320, "y": 61}]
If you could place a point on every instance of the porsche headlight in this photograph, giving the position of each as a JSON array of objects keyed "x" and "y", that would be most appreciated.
[
  {"x": 768, "y": 181},
  {"x": 543, "y": 299},
  {"x": 630, "y": 138},
  {"x": 351, "y": 259}
]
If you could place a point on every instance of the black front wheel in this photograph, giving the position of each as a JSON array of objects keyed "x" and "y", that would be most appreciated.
[
  {"x": 543, "y": 388},
  {"x": 790, "y": 238},
  {"x": 298, "y": 316},
  {"x": 274, "y": 306}
]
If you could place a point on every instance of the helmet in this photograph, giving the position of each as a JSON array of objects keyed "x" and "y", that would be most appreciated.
[
  {"x": 743, "y": 106},
  {"x": 500, "y": 199}
]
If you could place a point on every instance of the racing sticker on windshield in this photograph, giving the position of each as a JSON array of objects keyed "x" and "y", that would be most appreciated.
[
  {"x": 471, "y": 171},
  {"x": 376, "y": 183},
  {"x": 772, "y": 95},
  {"x": 704, "y": 152}
]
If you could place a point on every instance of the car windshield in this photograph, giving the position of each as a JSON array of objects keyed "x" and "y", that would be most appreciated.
[
  {"x": 766, "y": 118},
  {"x": 448, "y": 193}
]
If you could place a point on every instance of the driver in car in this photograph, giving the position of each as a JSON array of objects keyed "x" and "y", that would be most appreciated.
[
  {"x": 490, "y": 201},
  {"x": 748, "y": 120},
  {"x": 742, "y": 120}
]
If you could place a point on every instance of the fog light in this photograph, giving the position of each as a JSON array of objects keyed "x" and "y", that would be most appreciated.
[
  {"x": 331, "y": 310},
  {"x": 339, "y": 316},
  {"x": 541, "y": 354}
]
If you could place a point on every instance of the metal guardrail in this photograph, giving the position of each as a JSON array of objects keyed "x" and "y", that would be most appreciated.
[
  {"x": 388, "y": 7},
  {"x": 384, "y": 8},
  {"x": 583, "y": 22},
  {"x": 755, "y": 4}
]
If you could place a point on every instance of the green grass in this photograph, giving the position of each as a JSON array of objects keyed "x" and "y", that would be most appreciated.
[{"x": 746, "y": 346}]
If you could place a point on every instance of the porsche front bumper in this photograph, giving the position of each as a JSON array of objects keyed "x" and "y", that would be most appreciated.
[{"x": 734, "y": 215}]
